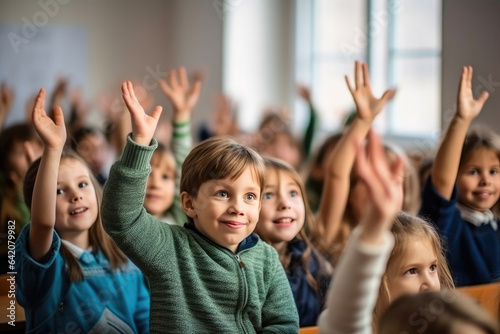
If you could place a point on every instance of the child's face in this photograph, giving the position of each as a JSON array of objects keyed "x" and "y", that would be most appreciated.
[
  {"x": 283, "y": 214},
  {"x": 282, "y": 147},
  {"x": 19, "y": 158},
  {"x": 160, "y": 189},
  {"x": 76, "y": 201},
  {"x": 93, "y": 148},
  {"x": 225, "y": 211},
  {"x": 416, "y": 271},
  {"x": 478, "y": 180}
]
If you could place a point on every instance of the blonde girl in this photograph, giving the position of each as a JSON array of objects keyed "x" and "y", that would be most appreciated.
[
  {"x": 389, "y": 255},
  {"x": 284, "y": 219},
  {"x": 70, "y": 274}
]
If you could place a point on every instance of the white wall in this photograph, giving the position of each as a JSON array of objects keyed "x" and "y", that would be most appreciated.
[
  {"x": 258, "y": 56},
  {"x": 125, "y": 38},
  {"x": 471, "y": 36}
]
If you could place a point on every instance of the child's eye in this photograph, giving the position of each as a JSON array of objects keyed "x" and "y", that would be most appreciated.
[
  {"x": 165, "y": 177},
  {"x": 494, "y": 171},
  {"x": 411, "y": 271},
  {"x": 250, "y": 197},
  {"x": 293, "y": 193},
  {"x": 267, "y": 196},
  {"x": 60, "y": 191},
  {"x": 222, "y": 193},
  {"x": 82, "y": 184},
  {"x": 433, "y": 268},
  {"x": 473, "y": 172}
]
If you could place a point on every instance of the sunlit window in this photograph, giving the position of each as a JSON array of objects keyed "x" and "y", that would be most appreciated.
[{"x": 400, "y": 40}]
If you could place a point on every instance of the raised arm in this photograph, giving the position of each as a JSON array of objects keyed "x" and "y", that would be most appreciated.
[
  {"x": 43, "y": 207},
  {"x": 183, "y": 99},
  {"x": 354, "y": 291},
  {"x": 445, "y": 168},
  {"x": 340, "y": 162},
  {"x": 143, "y": 125}
]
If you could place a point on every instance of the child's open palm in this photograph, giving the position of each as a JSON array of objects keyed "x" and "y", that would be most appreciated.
[
  {"x": 181, "y": 95},
  {"x": 383, "y": 184},
  {"x": 52, "y": 132},
  {"x": 368, "y": 106},
  {"x": 143, "y": 125},
  {"x": 468, "y": 108}
]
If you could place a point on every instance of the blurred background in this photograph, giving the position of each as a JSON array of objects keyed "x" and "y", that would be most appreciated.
[{"x": 256, "y": 51}]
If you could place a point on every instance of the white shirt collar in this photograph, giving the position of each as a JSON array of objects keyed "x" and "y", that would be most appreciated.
[
  {"x": 74, "y": 249},
  {"x": 477, "y": 218}
]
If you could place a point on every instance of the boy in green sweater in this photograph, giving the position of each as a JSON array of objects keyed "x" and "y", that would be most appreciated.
[{"x": 213, "y": 275}]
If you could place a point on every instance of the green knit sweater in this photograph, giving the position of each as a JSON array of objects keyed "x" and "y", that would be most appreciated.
[{"x": 197, "y": 286}]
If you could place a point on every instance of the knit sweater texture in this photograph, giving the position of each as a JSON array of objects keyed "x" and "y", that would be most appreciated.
[{"x": 196, "y": 285}]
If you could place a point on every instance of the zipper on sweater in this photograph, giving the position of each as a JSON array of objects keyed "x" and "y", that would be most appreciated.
[{"x": 242, "y": 265}]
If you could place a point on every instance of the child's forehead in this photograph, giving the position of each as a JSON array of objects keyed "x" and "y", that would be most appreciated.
[
  {"x": 416, "y": 248},
  {"x": 70, "y": 168},
  {"x": 246, "y": 179}
]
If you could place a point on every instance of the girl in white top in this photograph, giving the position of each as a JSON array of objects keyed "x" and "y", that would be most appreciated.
[{"x": 360, "y": 293}]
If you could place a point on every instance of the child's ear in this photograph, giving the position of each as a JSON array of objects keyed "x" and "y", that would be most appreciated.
[{"x": 187, "y": 205}]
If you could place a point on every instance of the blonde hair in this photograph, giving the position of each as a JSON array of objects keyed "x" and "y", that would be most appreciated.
[
  {"x": 99, "y": 240},
  {"x": 308, "y": 229},
  {"x": 219, "y": 158},
  {"x": 446, "y": 310},
  {"x": 405, "y": 229}
]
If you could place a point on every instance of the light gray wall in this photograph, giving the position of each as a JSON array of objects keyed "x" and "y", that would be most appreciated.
[
  {"x": 471, "y": 36},
  {"x": 126, "y": 37}
]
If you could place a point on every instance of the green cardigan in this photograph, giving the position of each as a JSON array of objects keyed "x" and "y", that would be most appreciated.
[{"x": 196, "y": 285}]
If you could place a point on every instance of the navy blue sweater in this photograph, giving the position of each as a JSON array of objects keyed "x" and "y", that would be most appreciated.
[
  {"x": 473, "y": 252},
  {"x": 309, "y": 302}
]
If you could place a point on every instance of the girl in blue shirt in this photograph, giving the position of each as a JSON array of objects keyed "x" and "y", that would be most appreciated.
[{"x": 71, "y": 277}]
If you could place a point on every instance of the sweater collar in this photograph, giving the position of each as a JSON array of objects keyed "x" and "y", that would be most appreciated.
[{"x": 247, "y": 243}]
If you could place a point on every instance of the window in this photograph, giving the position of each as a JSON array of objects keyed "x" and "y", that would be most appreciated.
[{"x": 400, "y": 40}]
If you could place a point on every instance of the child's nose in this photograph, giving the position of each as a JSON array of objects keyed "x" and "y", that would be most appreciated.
[
  {"x": 77, "y": 196},
  {"x": 429, "y": 283},
  {"x": 236, "y": 207}
]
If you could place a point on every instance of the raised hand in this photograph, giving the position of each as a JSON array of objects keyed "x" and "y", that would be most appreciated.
[
  {"x": 181, "y": 95},
  {"x": 383, "y": 185},
  {"x": 143, "y": 125},
  {"x": 468, "y": 108},
  {"x": 367, "y": 105},
  {"x": 52, "y": 132}
]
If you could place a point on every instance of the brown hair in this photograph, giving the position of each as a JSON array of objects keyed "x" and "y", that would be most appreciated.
[
  {"x": 219, "y": 158},
  {"x": 479, "y": 137},
  {"x": 405, "y": 229},
  {"x": 309, "y": 228},
  {"x": 99, "y": 240},
  {"x": 445, "y": 311}
]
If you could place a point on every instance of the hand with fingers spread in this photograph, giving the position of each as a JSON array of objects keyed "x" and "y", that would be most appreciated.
[
  {"x": 368, "y": 106},
  {"x": 181, "y": 95},
  {"x": 143, "y": 125},
  {"x": 384, "y": 188},
  {"x": 52, "y": 132},
  {"x": 468, "y": 107}
]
